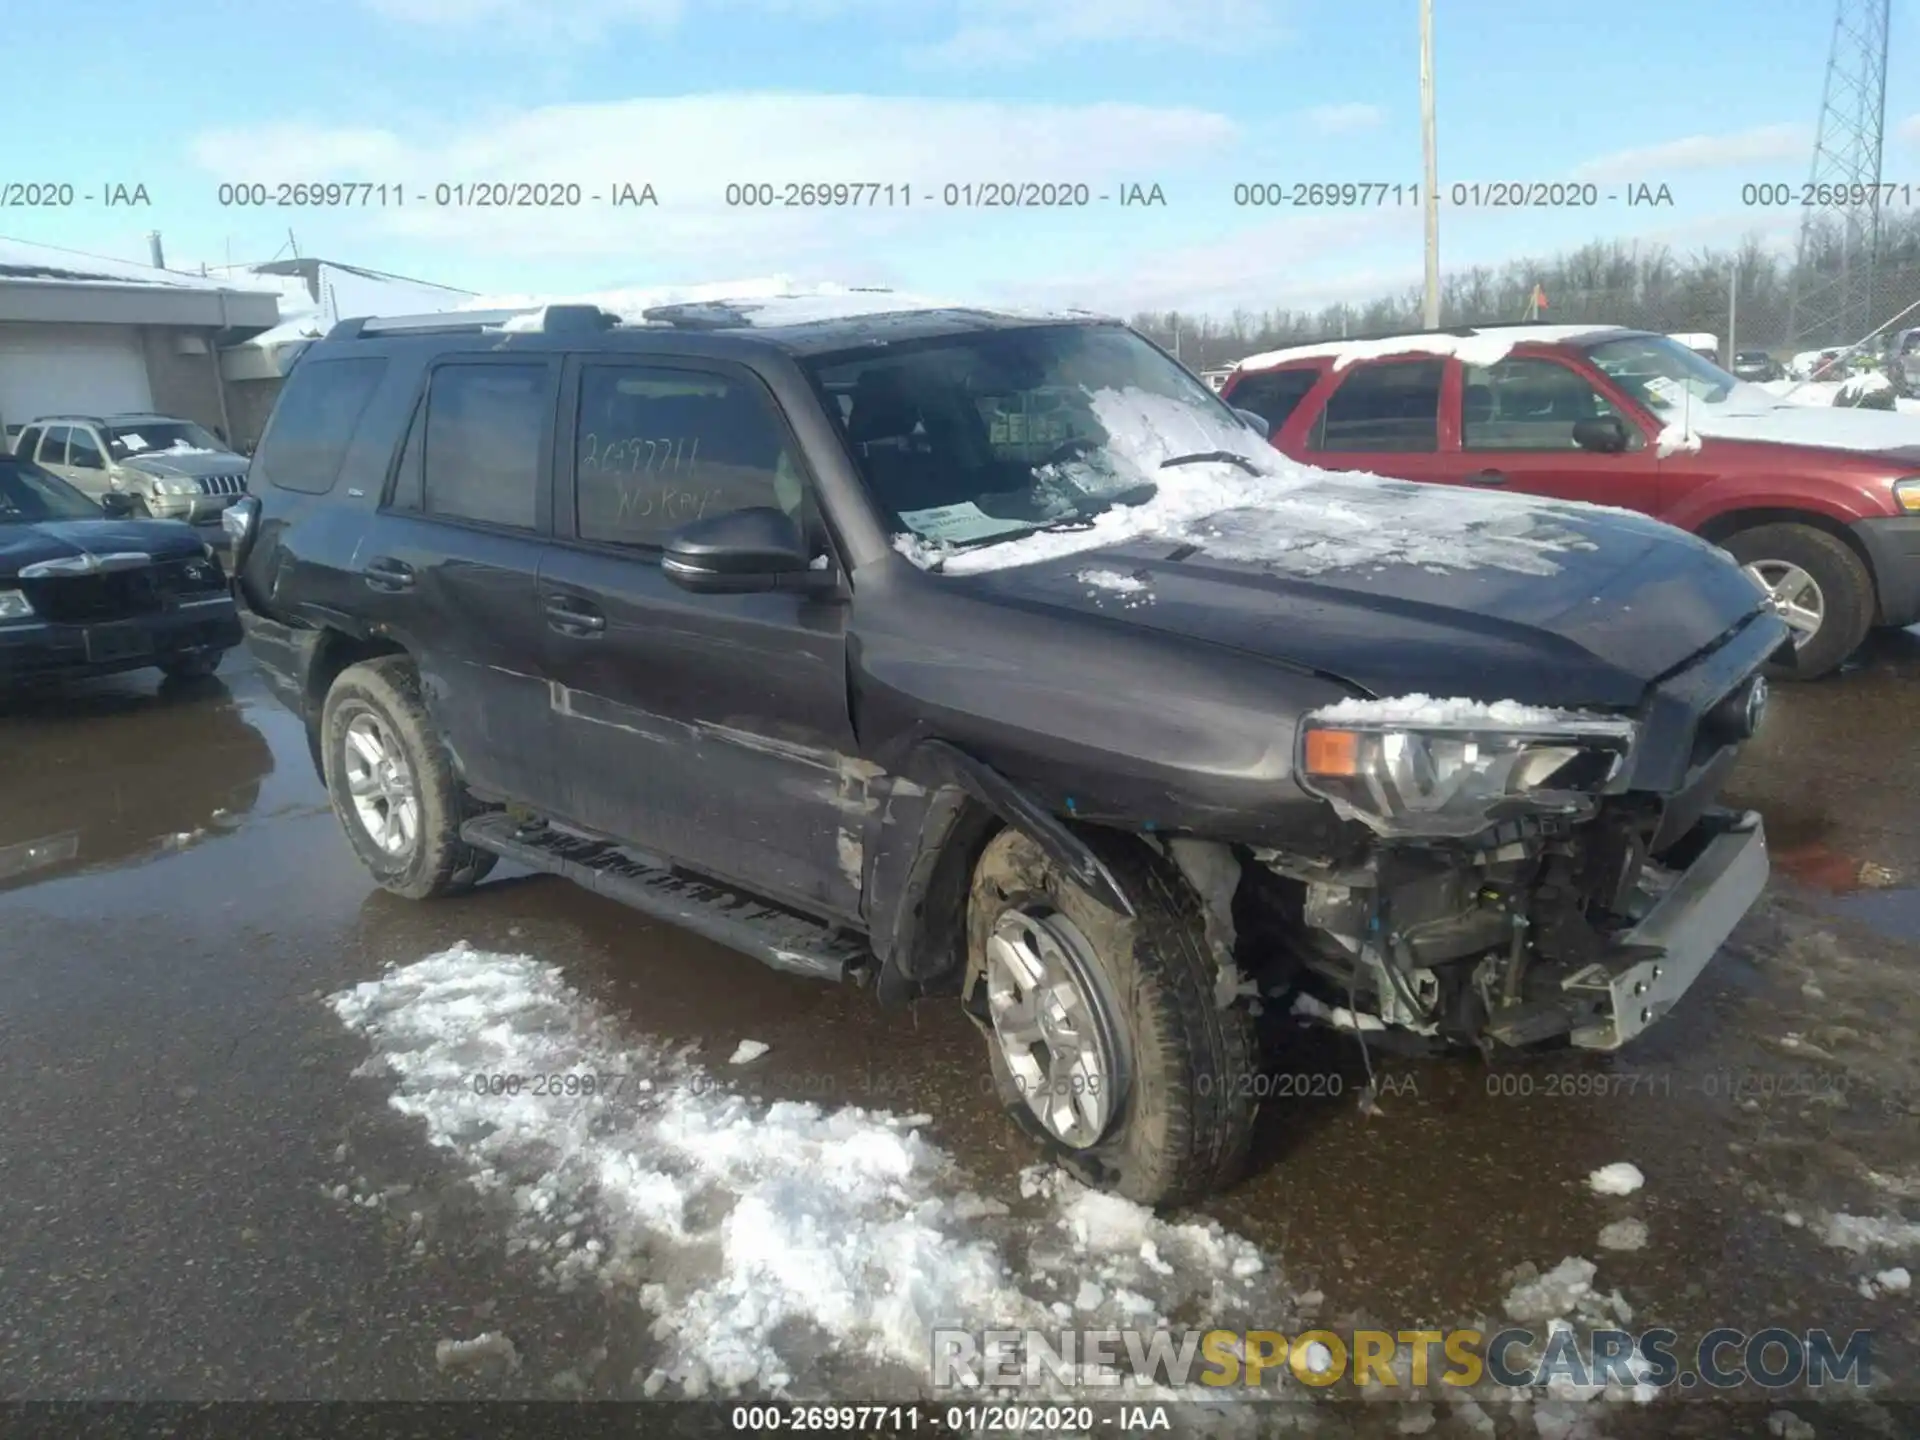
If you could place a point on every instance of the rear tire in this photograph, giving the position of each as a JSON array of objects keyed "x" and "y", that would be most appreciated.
[
  {"x": 1840, "y": 577},
  {"x": 376, "y": 707},
  {"x": 1180, "y": 1117}
]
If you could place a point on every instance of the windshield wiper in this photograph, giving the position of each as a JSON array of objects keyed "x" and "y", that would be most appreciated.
[{"x": 1226, "y": 456}]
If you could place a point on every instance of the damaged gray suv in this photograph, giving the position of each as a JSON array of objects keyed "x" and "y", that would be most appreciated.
[{"x": 995, "y": 657}]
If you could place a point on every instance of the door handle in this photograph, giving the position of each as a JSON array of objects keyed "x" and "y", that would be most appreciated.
[
  {"x": 571, "y": 615},
  {"x": 1487, "y": 477},
  {"x": 383, "y": 572}
]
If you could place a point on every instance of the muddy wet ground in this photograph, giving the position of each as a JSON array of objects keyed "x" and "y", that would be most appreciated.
[{"x": 180, "y": 1103}]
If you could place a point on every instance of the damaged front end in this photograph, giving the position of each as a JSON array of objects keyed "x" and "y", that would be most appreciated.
[{"x": 1516, "y": 889}]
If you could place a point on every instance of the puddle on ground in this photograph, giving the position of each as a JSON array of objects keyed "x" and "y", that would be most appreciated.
[{"x": 1894, "y": 913}]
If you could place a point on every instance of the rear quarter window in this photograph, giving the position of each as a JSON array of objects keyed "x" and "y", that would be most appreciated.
[
  {"x": 1273, "y": 395},
  {"x": 314, "y": 422}
]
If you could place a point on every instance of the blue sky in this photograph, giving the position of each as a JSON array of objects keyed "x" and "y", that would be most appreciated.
[{"x": 1192, "y": 95}]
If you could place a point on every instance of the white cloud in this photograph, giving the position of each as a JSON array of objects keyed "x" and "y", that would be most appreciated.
[
  {"x": 569, "y": 19},
  {"x": 1344, "y": 119},
  {"x": 691, "y": 147},
  {"x": 1909, "y": 130},
  {"x": 1012, "y": 32},
  {"x": 1653, "y": 163}
]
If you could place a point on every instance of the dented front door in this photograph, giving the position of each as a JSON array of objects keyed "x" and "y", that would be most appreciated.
[{"x": 712, "y": 730}]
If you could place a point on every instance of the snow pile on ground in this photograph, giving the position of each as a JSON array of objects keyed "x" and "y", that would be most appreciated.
[
  {"x": 1262, "y": 508},
  {"x": 1426, "y": 710},
  {"x": 1864, "y": 1233},
  {"x": 1544, "y": 1303},
  {"x": 1619, "y": 1178},
  {"x": 1624, "y": 1235},
  {"x": 768, "y": 1239}
]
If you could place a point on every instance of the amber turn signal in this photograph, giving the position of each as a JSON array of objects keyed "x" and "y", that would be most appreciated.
[{"x": 1333, "y": 752}]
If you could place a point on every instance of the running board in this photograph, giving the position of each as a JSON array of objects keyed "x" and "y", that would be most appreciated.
[{"x": 728, "y": 917}]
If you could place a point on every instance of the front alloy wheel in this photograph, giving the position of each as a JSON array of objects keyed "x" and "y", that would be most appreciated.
[
  {"x": 1053, "y": 1023},
  {"x": 1796, "y": 597}
]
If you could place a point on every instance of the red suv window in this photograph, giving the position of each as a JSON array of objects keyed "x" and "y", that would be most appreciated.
[
  {"x": 1273, "y": 395},
  {"x": 1393, "y": 405}
]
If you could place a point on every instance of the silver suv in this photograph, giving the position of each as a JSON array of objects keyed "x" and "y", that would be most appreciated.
[{"x": 172, "y": 469}]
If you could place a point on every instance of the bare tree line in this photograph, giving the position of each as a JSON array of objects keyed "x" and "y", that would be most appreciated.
[{"x": 1617, "y": 282}]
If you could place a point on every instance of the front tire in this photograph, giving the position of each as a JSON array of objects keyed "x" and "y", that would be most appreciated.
[
  {"x": 1071, "y": 995},
  {"x": 392, "y": 784},
  {"x": 1824, "y": 587}
]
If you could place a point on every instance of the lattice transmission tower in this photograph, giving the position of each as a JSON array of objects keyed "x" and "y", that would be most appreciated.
[{"x": 1833, "y": 295}]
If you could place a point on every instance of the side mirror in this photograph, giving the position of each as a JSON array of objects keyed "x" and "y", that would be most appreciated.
[
  {"x": 1607, "y": 434},
  {"x": 740, "y": 552},
  {"x": 1256, "y": 421},
  {"x": 116, "y": 505}
]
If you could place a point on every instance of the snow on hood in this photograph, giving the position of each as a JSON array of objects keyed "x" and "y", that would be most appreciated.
[
  {"x": 1285, "y": 516},
  {"x": 1486, "y": 347},
  {"x": 1751, "y": 412}
]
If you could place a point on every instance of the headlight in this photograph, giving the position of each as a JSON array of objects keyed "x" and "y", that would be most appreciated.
[
  {"x": 1451, "y": 768},
  {"x": 179, "y": 487},
  {"x": 14, "y": 605},
  {"x": 1906, "y": 494}
]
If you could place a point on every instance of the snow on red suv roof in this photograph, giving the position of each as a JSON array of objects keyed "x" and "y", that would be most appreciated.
[{"x": 1486, "y": 345}]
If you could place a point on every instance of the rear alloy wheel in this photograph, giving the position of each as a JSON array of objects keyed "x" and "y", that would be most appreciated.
[
  {"x": 1818, "y": 586},
  {"x": 1106, "y": 1041},
  {"x": 392, "y": 784}
]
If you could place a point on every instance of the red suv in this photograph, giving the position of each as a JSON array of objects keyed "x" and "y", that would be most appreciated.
[{"x": 1820, "y": 504}]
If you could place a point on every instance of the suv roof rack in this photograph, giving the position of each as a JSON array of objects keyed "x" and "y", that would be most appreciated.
[{"x": 553, "y": 320}]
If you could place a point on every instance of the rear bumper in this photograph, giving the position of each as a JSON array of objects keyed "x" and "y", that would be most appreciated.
[
  {"x": 1892, "y": 544},
  {"x": 1680, "y": 933},
  {"x": 42, "y": 652}
]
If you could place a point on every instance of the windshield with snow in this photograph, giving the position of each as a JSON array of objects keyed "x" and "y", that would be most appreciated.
[
  {"x": 182, "y": 437},
  {"x": 1663, "y": 374},
  {"x": 967, "y": 440},
  {"x": 29, "y": 494}
]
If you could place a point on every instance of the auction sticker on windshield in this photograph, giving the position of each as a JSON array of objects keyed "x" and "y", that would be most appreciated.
[{"x": 961, "y": 523}]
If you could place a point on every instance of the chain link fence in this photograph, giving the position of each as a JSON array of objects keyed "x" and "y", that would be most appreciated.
[{"x": 1747, "y": 298}]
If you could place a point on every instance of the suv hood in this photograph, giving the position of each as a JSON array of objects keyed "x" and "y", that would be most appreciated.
[
  {"x": 184, "y": 464},
  {"x": 1765, "y": 418},
  {"x": 27, "y": 544},
  {"x": 1413, "y": 589}
]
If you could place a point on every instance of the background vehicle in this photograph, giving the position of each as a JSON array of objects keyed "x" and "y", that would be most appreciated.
[
  {"x": 1757, "y": 366},
  {"x": 1822, "y": 506},
  {"x": 789, "y": 634},
  {"x": 87, "y": 591},
  {"x": 1903, "y": 361},
  {"x": 171, "y": 469}
]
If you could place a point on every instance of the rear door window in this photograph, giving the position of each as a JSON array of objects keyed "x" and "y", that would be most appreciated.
[
  {"x": 486, "y": 430},
  {"x": 314, "y": 423},
  {"x": 54, "y": 452},
  {"x": 1389, "y": 406},
  {"x": 1274, "y": 395}
]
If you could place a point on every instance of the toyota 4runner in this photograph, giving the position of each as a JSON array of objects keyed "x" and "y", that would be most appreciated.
[{"x": 994, "y": 656}]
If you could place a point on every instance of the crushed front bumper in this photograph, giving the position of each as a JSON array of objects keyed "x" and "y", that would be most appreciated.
[{"x": 1672, "y": 942}]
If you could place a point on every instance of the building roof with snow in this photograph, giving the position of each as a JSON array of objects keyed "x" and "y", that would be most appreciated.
[{"x": 44, "y": 283}]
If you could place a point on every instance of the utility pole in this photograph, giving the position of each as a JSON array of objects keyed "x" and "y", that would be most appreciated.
[
  {"x": 1733, "y": 308},
  {"x": 1432, "y": 165}
]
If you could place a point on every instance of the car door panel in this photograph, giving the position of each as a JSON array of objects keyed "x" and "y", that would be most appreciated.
[
  {"x": 712, "y": 730},
  {"x": 455, "y": 576},
  {"x": 1515, "y": 420}
]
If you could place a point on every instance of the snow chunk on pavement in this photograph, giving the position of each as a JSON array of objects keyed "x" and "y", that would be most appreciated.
[
  {"x": 1789, "y": 1426},
  {"x": 780, "y": 1246},
  {"x": 1619, "y": 1178},
  {"x": 748, "y": 1051},
  {"x": 1624, "y": 1235},
  {"x": 488, "y": 1349},
  {"x": 1896, "y": 1280},
  {"x": 1553, "y": 1294},
  {"x": 1861, "y": 1233}
]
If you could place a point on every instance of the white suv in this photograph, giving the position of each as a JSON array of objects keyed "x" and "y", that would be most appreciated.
[{"x": 170, "y": 468}]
